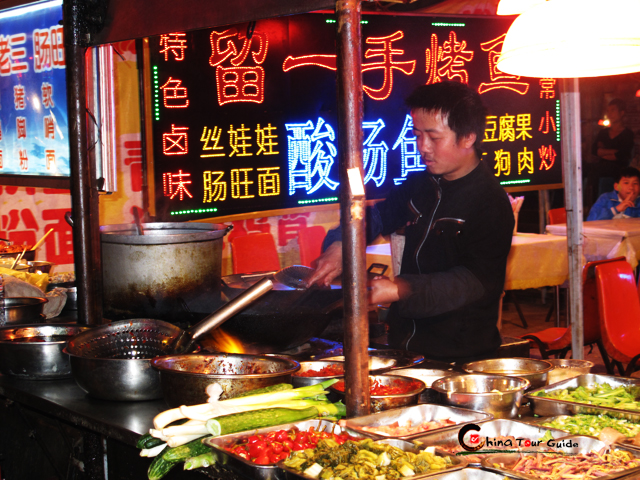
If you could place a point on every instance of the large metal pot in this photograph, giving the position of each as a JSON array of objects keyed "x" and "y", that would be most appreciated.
[{"x": 158, "y": 274}]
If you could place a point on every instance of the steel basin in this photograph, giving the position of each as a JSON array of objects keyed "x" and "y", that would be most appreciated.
[
  {"x": 533, "y": 370},
  {"x": 22, "y": 356},
  {"x": 23, "y": 310},
  {"x": 184, "y": 378}
]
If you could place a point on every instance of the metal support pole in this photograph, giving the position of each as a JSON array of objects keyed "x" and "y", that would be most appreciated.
[
  {"x": 84, "y": 191},
  {"x": 572, "y": 167},
  {"x": 352, "y": 208}
]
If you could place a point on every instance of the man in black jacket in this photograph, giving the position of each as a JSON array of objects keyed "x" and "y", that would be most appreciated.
[{"x": 458, "y": 226}]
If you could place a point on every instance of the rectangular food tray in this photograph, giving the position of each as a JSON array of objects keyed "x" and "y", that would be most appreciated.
[
  {"x": 493, "y": 428},
  {"x": 457, "y": 462},
  {"x": 415, "y": 415},
  {"x": 469, "y": 474},
  {"x": 584, "y": 445},
  {"x": 549, "y": 407},
  {"x": 540, "y": 420}
]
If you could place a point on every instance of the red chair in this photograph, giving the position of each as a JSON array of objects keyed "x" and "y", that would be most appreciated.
[
  {"x": 310, "y": 242},
  {"x": 619, "y": 307},
  {"x": 254, "y": 253},
  {"x": 557, "y": 215},
  {"x": 557, "y": 341}
]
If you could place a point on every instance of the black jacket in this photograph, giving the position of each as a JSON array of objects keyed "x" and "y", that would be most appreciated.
[{"x": 453, "y": 264}]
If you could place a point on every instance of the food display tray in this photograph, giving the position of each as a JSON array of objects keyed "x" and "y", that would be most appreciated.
[
  {"x": 584, "y": 445},
  {"x": 493, "y": 428},
  {"x": 415, "y": 415},
  {"x": 470, "y": 473},
  {"x": 549, "y": 407},
  {"x": 261, "y": 472},
  {"x": 457, "y": 462},
  {"x": 541, "y": 420}
]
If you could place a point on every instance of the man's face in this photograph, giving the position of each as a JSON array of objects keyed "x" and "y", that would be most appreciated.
[
  {"x": 628, "y": 187},
  {"x": 613, "y": 114},
  {"x": 440, "y": 151}
]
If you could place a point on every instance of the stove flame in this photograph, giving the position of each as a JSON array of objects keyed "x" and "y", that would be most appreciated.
[{"x": 223, "y": 342}]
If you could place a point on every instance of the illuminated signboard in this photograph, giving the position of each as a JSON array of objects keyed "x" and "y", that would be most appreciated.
[
  {"x": 244, "y": 117},
  {"x": 33, "y": 98}
]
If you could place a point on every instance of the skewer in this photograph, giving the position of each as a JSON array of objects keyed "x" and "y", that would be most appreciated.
[
  {"x": 18, "y": 258},
  {"x": 41, "y": 240}
]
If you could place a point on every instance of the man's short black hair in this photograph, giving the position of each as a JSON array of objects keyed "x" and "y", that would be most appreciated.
[
  {"x": 460, "y": 106},
  {"x": 619, "y": 103},
  {"x": 628, "y": 172}
]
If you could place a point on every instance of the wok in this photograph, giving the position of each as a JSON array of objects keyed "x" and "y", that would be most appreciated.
[{"x": 281, "y": 319}]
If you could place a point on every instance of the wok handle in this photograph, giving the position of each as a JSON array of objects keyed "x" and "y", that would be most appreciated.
[{"x": 236, "y": 305}]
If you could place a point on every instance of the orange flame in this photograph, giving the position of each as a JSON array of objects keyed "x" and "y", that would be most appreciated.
[{"x": 223, "y": 342}]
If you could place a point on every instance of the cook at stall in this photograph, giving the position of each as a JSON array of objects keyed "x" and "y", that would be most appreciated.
[{"x": 458, "y": 224}]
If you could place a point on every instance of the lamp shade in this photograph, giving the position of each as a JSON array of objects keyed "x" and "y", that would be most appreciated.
[
  {"x": 574, "y": 38},
  {"x": 516, "y": 7}
]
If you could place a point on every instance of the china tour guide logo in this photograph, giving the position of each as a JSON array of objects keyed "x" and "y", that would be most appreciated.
[{"x": 506, "y": 444}]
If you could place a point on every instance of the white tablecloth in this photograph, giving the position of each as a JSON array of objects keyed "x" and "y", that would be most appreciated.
[{"x": 607, "y": 238}]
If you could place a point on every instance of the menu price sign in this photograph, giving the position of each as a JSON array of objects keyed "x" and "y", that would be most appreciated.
[
  {"x": 244, "y": 117},
  {"x": 33, "y": 101}
]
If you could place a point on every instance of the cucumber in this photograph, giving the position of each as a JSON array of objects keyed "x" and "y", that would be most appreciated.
[
  {"x": 159, "y": 468},
  {"x": 191, "y": 449},
  {"x": 146, "y": 441},
  {"x": 278, "y": 387},
  {"x": 265, "y": 417}
]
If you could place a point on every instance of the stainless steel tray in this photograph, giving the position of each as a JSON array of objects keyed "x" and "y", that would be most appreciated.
[
  {"x": 457, "y": 462},
  {"x": 261, "y": 472},
  {"x": 448, "y": 440},
  {"x": 469, "y": 474},
  {"x": 548, "y": 407},
  {"x": 540, "y": 420},
  {"x": 415, "y": 415},
  {"x": 584, "y": 445}
]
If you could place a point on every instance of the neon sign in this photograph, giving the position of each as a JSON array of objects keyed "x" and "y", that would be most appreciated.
[{"x": 245, "y": 116}]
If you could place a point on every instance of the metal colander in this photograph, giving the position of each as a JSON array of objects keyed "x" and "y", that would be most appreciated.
[{"x": 139, "y": 338}]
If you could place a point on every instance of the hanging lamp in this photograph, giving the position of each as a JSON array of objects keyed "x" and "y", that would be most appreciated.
[{"x": 573, "y": 38}]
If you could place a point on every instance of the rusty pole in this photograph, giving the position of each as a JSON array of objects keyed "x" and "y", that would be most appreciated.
[
  {"x": 84, "y": 191},
  {"x": 352, "y": 207}
]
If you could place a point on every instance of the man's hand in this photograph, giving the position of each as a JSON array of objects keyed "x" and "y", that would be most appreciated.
[
  {"x": 383, "y": 290},
  {"x": 329, "y": 266}
]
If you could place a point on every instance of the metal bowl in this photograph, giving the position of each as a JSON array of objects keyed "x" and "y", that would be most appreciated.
[
  {"x": 498, "y": 395},
  {"x": 386, "y": 402},
  {"x": 377, "y": 365},
  {"x": 184, "y": 378},
  {"x": 35, "y": 352},
  {"x": 428, "y": 376},
  {"x": 566, "y": 368},
  {"x": 298, "y": 380},
  {"x": 536, "y": 371},
  {"x": 40, "y": 266},
  {"x": 22, "y": 310}
]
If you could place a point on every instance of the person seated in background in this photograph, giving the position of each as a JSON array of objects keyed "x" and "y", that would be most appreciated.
[{"x": 623, "y": 201}]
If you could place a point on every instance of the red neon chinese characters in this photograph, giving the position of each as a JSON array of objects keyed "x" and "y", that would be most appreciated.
[
  {"x": 454, "y": 57},
  {"x": 21, "y": 127},
  {"x": 19, "y": 97},
  {"x": 547, "y": 157},
  {"x": 176, "y": 142},
  {"x": 49, "y": 127},
  {"x": 50, "y": 159},
  {"x": 24, "y": 160},
  {"x": 174, "y": 94},
  {"x": 174, "y": 44},
  {"x": 548, "y": 123},
  {"x": 324, "y": 61},
  {"x": 176, "y": 184},
  {"x": 47, "y": 95},
  {"x": 386, "y": 64},
  {"x": 237, "y": 83},
  {"x": 500, "y": 79},
  {"x": 547, "y": 88}
]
